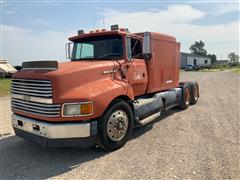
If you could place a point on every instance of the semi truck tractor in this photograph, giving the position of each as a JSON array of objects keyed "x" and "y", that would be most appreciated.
[{"x": 114, "y": 82}]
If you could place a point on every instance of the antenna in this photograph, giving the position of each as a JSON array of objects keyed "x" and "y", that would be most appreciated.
[
  {"x": 103, "y": 17},
  {"x": 94, "y": 14}
]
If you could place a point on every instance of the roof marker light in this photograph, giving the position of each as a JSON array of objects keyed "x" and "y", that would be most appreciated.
[
  {"x": 114, "y": 27},
  {"x": 80, "y": 32}
]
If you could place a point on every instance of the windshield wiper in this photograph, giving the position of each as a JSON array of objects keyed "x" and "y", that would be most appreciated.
[
  {"x": 108, "y": 56},
  {"x": 82, "y": 59},
  {"x": 105, "y": 56}
]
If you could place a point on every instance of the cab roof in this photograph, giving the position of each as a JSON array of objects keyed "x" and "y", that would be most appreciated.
[
  {"x": 97, "y": 33},
  {"x": 155, "y": 35}
]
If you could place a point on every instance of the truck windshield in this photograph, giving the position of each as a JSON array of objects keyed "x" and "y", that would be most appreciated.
[{"x": 98, "y": 47}]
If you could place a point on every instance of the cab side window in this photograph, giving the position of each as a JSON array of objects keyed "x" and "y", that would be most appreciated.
[{"x": 134, "y": 48}]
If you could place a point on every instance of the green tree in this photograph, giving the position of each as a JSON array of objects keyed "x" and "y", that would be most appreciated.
[
  {"x": 213, "y": 58},
  {"x": 234, "y": 58},
  {"x": 198, "y": 48}
]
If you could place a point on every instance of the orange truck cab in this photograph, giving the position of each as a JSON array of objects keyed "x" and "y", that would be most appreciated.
[{"x": 115, "y": 81}]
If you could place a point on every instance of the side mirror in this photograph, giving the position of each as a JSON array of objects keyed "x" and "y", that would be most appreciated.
[
  {"x": 147, "y": 55},
  {"x": 68, "y": 50}
]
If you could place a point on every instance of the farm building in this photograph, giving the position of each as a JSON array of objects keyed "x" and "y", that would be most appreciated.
[
  {"x": 195, "y": 60},
  {"x": 6, "y": 69}
]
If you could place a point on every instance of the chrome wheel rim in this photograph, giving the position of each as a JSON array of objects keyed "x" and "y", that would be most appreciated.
[{"x": 117, "y": 125}]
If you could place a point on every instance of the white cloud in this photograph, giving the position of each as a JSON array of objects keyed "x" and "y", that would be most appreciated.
[
  {"x": 21, "y": 45},
  {"x": 177, "y": 21},
  {"x": 174, "y": 13},
  {"x": 218, "y": 9}
]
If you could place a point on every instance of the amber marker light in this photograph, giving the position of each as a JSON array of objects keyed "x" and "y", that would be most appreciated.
[{"x": 86, "y": 108}]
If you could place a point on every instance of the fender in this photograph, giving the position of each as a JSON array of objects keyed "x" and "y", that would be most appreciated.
[{"x": 100, "y": 92}]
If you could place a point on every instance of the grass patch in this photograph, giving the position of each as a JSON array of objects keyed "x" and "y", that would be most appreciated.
[
  {"x": 211, "y": 70},
  {"x": 221, "y": 67},
  {"x": 237, "y": 70},
  {"x": 5, "y": 85}
]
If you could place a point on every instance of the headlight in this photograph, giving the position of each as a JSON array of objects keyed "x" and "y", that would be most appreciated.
[{"x": 78, "y": 109}]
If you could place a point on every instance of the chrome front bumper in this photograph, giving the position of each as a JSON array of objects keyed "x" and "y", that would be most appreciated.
[{"x": 53, "y": 133}]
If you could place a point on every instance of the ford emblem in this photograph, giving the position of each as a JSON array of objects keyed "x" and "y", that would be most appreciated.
[{"x": 26, "y": 98}]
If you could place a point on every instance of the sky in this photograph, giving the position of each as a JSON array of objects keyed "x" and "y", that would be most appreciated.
[{"x": 39, "y": 30}]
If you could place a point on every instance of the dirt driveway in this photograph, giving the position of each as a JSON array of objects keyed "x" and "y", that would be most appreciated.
[{"x": 201, "y": 142}]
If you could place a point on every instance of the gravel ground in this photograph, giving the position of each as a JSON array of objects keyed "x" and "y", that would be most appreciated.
[
  {"x": 5, "y": 117},
  {"x": 201, "y": 142}
]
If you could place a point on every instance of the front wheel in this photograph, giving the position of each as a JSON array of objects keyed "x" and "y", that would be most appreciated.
[{"x": 115, "y": 127}]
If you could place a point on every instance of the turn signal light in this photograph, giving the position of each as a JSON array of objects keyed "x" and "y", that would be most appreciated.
[{"x": 86, "y": 108}]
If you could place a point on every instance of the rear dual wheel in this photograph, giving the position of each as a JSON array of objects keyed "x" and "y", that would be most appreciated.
[
  {"x": 186, "y": 97},
  {"x": 194, "y": 92},
  {"x": 190, "y": 94}
]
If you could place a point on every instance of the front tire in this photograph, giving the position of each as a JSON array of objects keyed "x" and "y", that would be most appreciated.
[{"x": 116, "y": 125}]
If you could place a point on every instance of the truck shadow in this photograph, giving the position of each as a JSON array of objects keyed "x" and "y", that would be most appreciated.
[
  {"x": 142, "y": 130},
  {"x": 21, "y": 159}
]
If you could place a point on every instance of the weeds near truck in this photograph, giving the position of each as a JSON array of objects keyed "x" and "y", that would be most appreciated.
[
  {"x": 5, "y": 85},
  {"x": 237, "y": 70},
  {"x": 219, "y": 68}
]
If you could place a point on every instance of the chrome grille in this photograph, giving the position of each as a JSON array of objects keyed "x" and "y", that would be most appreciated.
[
  {"x": 34, "y": 96},
  {"x": 37, "y": 88},
  {"x": 49, "y": 110}
]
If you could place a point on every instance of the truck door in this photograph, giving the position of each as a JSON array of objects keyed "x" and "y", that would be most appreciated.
[{"x": 137, "y": 69}]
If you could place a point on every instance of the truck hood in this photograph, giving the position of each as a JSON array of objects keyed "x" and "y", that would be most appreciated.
[
  {"x": 65, "y": 68},
  {"x": 69, "y": 75}
]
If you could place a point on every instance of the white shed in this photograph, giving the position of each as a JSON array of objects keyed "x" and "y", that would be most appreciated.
[
  {"x": 198, "y": 61},
  {"x": 6, "y": 69},
  {"x": 194, "y": 60}
]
